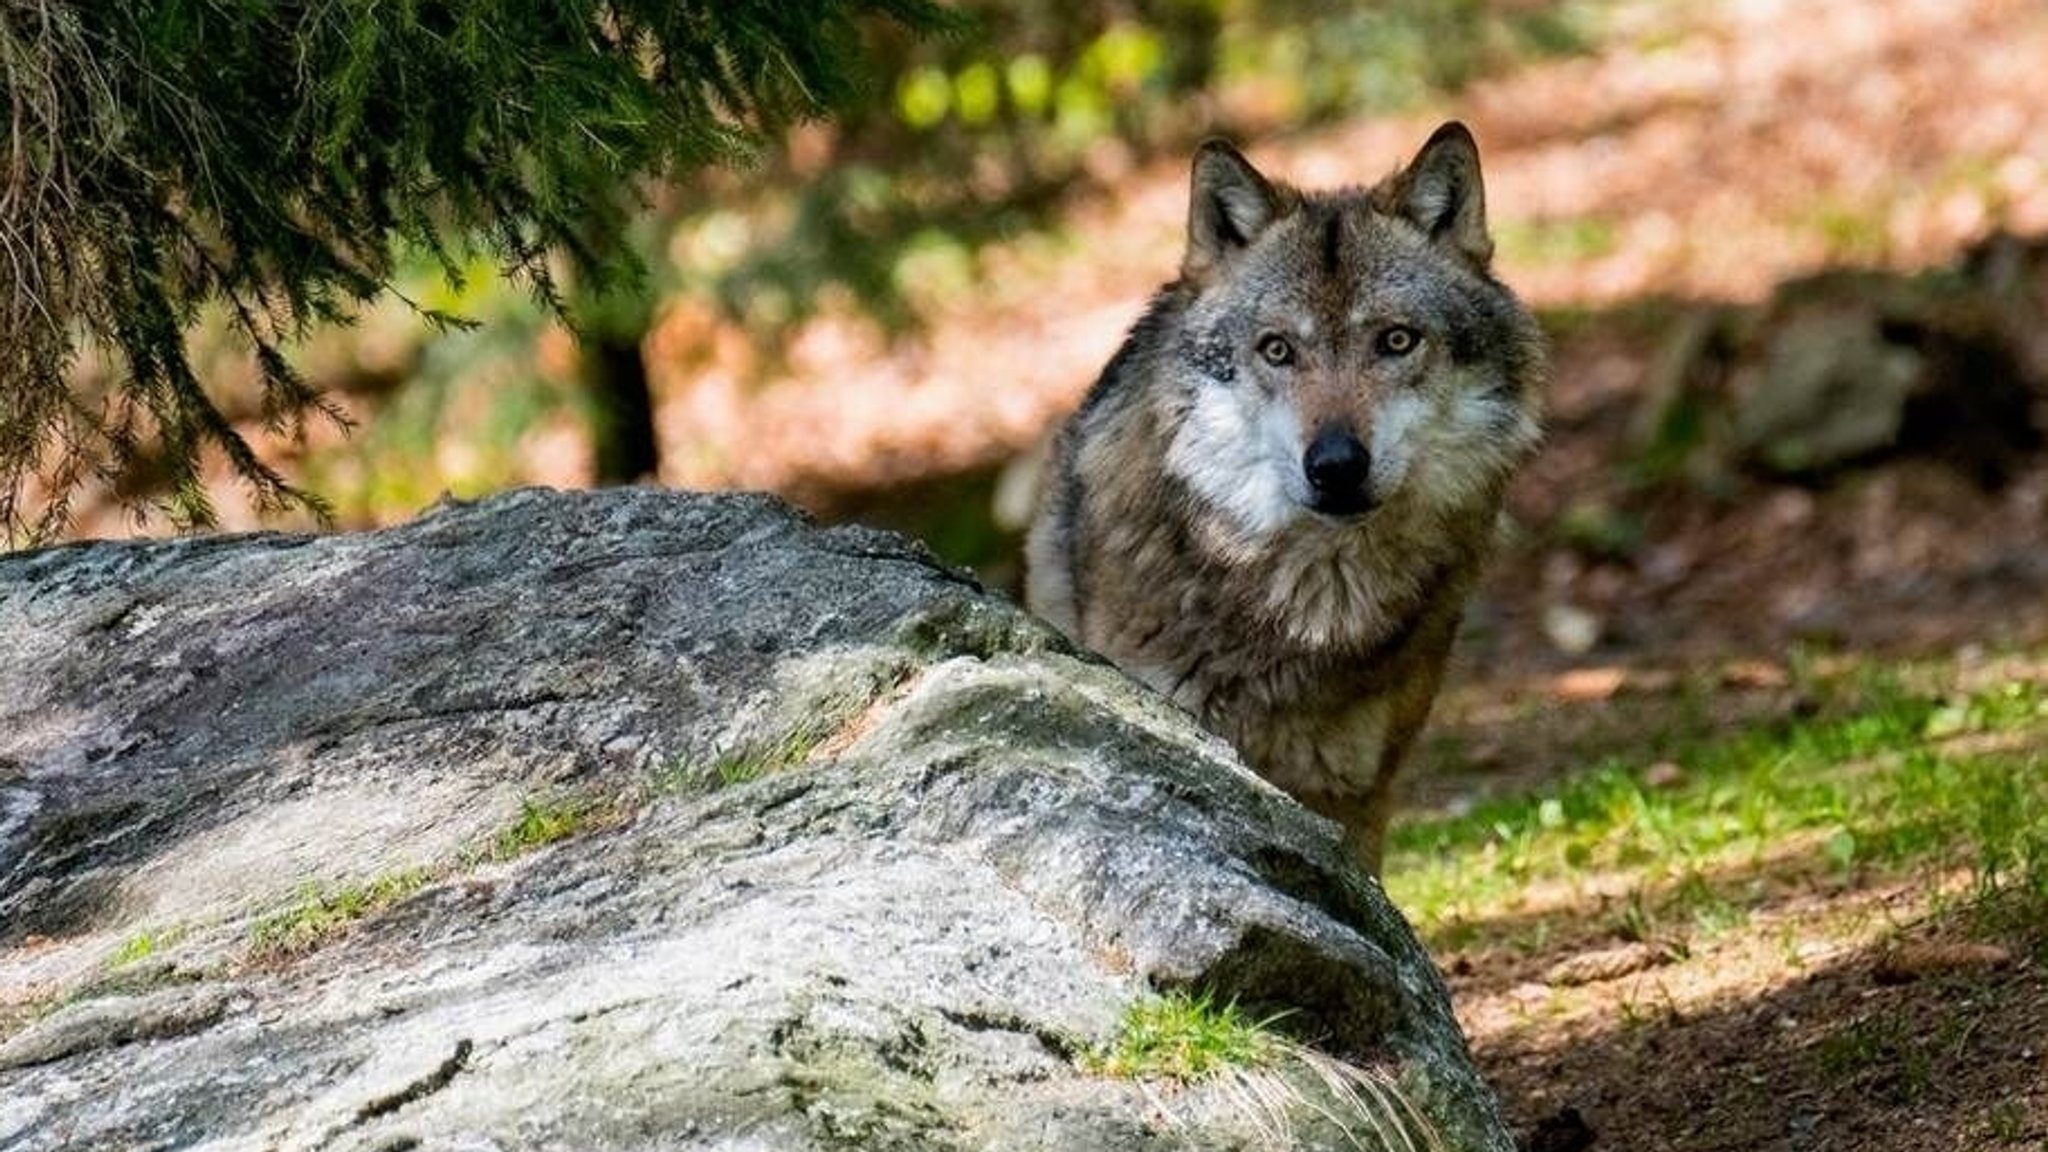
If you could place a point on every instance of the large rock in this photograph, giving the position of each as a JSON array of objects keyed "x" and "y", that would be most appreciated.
[{"x": 643, "y": 820}]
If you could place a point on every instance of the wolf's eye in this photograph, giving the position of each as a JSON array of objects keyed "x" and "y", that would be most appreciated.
[
  {"x": 1399, "y": 340},
  {"x": 1275, "y": 350}
]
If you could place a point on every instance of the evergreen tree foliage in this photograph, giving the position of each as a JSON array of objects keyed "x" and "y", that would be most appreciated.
[{"x": 273, "y": 157}]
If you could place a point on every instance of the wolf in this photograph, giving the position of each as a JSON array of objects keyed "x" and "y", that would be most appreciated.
[{"x": 1275, "y": 501}]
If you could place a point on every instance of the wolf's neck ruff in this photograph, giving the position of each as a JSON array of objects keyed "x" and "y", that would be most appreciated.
[{"x": 1275, "y": 500}]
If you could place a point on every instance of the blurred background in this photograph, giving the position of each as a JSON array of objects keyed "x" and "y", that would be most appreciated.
[{"x": 1787, "y": 254}]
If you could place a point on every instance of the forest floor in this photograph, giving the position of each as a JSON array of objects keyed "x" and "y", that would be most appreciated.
[{"x": 1746, "y": 905}]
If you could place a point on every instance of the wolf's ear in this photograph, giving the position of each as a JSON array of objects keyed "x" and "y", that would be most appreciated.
[
  {"x": 1440, "y": 192},
  {"x": 1231, "y": 205}
]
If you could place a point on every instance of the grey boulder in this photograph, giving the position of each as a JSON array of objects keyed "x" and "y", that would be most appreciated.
[{"x": 642, "y": 820}]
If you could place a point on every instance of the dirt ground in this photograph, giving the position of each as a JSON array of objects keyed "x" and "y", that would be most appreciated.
[{"x": 1721, "y": 1052}]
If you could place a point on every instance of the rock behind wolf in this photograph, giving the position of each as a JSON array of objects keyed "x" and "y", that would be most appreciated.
[{"x": 1275, "y": 501}]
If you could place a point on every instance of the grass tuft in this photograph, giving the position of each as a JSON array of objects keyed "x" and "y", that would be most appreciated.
[
  {"x": 1879, "y": 1052},
  {"x": 320, "y": 915},
  {"x": 1183, "y": 1037},
  {"x": 134, "y": 950},
  {"x": 541, "y": 823},
  {"x": 777, "y": 756},
  {"x": 1274, "y": 1083},
  {"x": 746, "y": 765}
]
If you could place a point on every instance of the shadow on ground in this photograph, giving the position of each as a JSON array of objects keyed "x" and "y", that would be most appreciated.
[{"x": 1853, "y": 1054}]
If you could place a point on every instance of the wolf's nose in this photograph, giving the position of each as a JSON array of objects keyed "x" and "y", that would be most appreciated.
[{"x": 1338, "y": 466}]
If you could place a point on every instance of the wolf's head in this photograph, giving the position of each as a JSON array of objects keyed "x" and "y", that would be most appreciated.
[{"x": 1343, "y": 354}]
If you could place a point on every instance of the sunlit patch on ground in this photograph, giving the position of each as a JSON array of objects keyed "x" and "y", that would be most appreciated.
[{"x": 1819, "y": 923}]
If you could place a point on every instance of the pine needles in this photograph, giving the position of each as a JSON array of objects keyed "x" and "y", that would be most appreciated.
[{"x": 272, "y": 156}]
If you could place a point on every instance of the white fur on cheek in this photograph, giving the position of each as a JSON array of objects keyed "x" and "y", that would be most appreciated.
[
  {"x": 1394, "y": 430},
  {"x": 1478, "y": 415},
  {"x": 1239, "y": 453},
  {"x": 1476, "y": 442},
  {"x": 1280, "y": 436}
]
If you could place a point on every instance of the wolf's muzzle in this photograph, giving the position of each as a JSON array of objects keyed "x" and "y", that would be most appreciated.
[{"x": 1339, "y": 470}]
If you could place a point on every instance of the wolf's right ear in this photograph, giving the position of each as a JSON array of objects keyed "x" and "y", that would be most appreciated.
[{"x": 1230, "y": 206}]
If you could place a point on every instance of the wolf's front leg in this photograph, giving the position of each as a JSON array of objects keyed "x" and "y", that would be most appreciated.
[
  {"x": 1363, "y": 818},
  {"x": 1384, "y": 732}
]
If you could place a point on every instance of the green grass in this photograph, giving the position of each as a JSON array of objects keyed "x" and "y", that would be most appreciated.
[
  {"x": 770, "y": 753},
  {"x": 1851, "y": 233},
  {"x": 1883, "y": 1053},
  {"x": 134, "y": 950},
  {"x": 747, "y": 767},
  {"x": 2007, "y": 1121},
  {"x": 321, "y": 914},
  {"x": 544, "y": 822},
  {"x": 1569, "y": 240},
  {"x": 747, "y": 764},
  {"x": 1183, "y": 1037},
  {"x": 1884, "y": 778},
  {"x": 145, "y": 945}
]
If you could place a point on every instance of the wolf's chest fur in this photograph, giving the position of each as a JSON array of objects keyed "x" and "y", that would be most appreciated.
[
  {"x": 1274, "y": 502},
  {"x": 1288, "y": 651}
]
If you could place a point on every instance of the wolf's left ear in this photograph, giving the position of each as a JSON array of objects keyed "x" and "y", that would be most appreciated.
[
  {"x": 1440, "y": 192},
  {"x": 1229, "y": 205}
]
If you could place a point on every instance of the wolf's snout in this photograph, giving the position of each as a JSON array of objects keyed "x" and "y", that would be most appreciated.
[{"x": 1338, "y": 467}]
